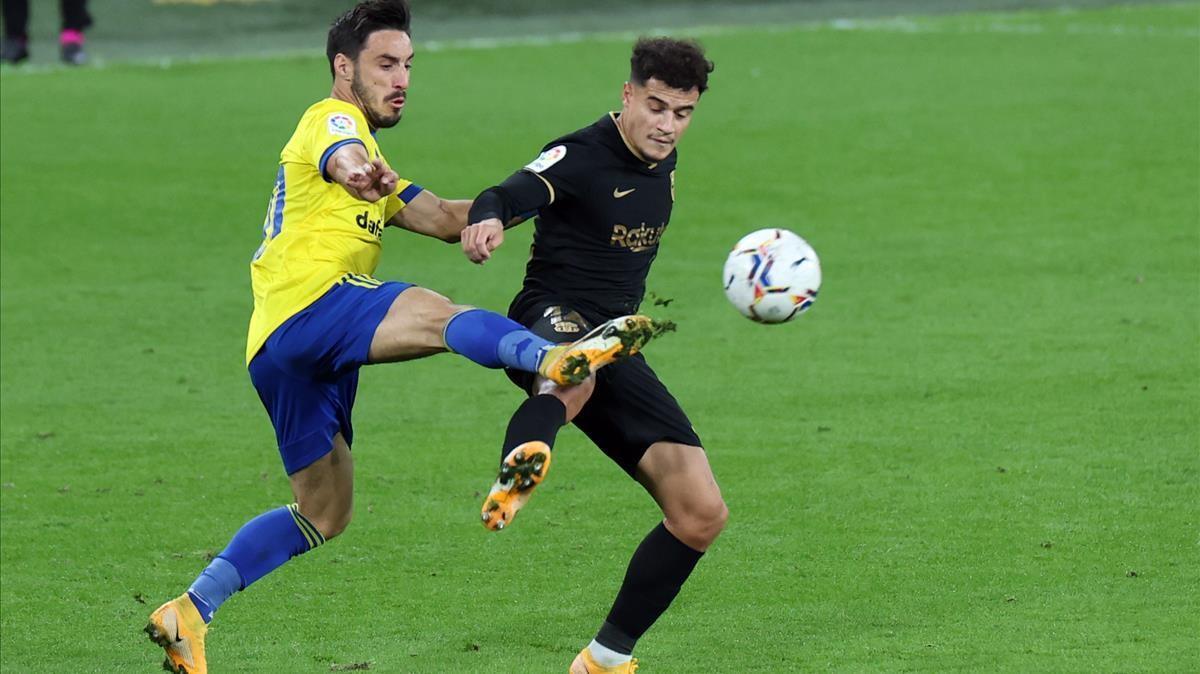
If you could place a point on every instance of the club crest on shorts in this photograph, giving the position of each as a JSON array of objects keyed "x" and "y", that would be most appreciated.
[
  {"x": 342, "y": 125},
  {"x": 547, "y": 159},
  {"x": 564, "y": 321}
]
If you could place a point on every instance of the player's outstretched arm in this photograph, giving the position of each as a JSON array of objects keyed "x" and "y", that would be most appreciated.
[
  {"x": 498, "y": 208},
  {"x": 433, "y": 216},
  {"x": 364, "y": 178}
]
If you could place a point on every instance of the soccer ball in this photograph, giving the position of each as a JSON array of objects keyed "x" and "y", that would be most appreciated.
[{"x": 772, "y": 276}]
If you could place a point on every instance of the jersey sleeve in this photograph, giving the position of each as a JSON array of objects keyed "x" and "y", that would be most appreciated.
[
  {"x": 563, "y": 166},
  {"x": 406, "y": 191},
  {"x": 329, "y": 131}
]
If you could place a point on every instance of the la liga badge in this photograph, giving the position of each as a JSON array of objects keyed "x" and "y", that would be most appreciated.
[
  {"x": 547, "y": 159},
  {"x": 342, "y": 125}
]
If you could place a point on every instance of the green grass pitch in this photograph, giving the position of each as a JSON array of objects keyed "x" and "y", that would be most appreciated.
[{"x": 979, "y": 451}]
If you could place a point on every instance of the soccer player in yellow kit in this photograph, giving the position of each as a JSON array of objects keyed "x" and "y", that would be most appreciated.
[{"x": 319, "y": 314}]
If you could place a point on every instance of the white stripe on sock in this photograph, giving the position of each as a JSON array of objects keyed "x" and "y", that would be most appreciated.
[{"x": 607, "y": 657}]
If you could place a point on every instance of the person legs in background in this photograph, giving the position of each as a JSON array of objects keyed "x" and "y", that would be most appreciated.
[
  {"x": 75, "y": 20},
  {"x": 16, "y": 31}
]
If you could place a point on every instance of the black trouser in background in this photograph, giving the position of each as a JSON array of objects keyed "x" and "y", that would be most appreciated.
[{"x": 16, "y": 16}]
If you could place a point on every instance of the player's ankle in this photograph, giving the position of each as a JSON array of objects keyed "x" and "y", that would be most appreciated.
[{"x": 607, "y": 657}]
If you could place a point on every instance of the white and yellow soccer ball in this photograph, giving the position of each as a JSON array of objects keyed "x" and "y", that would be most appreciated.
[{"x": 772, "y": 276}]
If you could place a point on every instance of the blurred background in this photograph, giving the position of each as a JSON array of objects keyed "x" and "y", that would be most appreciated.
[
  {"x": 175, "y": 29},
  {"x": 979, "y": 451}
]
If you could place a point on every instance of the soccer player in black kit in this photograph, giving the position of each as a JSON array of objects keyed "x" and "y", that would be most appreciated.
[{"x": 603, "y": 197}]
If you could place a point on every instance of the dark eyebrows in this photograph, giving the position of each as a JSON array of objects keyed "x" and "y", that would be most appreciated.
[
  {"x": 388, "y": 58},
  {"x": 683, "y": 108}
]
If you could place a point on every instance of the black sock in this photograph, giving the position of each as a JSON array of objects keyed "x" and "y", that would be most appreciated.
[
  {"x": 538, "y": 418},
  {"x": 659, "y": 567},
  {"x": 74, "y": 15}
]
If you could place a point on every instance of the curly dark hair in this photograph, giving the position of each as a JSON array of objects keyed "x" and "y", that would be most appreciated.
[
  {"x": 350, "y": 31},
  {"x": 680, "y": 64}
]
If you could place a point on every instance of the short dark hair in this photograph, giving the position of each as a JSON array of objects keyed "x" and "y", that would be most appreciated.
[
  {"x": 350, "y": 31},
  {"x": 680, "y": 64}
]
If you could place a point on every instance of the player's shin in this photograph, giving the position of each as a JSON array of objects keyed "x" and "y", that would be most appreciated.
[
  {"x": 262, "y": 545},
  {"x": 660, "y": 566},
  {"x": 493, "y": 341},
  {"x": 538, "y": 418}
]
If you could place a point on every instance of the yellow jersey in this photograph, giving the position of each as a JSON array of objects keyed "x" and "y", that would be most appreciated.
[{"x": 315, "y": 232}]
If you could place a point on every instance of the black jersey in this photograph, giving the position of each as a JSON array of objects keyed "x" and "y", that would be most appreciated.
[{"x": 594, "y": 243}]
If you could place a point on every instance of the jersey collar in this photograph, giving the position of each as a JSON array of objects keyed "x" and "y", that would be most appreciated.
[{"x": 629, "y": 146}]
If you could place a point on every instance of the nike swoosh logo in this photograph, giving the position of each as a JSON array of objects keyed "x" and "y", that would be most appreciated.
[
  {"x": 617, "y": 193},
  {"x": 175, "y": 625}
]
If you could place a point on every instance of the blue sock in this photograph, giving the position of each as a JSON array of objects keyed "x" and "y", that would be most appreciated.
[
  {"x": 262, "y": 545},
  {"x": 494, "y": 341}
]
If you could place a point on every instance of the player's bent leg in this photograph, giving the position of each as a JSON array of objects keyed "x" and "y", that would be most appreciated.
[
  {"x": 548, "y": 408},
  {"x": 420, "y": 323},
  {"x": 525, "y": 457},
  {"x": 323, "y": 491},
  {"x": 680, "y": 480},
  {"x": 495, "y": 341}
]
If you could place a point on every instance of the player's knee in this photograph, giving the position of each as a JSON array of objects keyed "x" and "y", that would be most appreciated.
[
  {"x": 438, "y": 315},
  {"x": 701, "y": 522},
  {"x": 414, "y": 324},
  {"x": 433, "y": 314},
  {"x": 711, "y": 519}
]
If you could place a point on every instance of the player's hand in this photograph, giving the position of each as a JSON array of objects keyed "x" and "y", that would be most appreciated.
[
  {"x": 387, "y": 180},
  {"x": 371, "y": 181},
  {"x": 481, "y": 238}
]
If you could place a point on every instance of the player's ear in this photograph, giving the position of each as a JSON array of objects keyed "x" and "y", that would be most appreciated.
[
  {"x": 344, "y": 67},
  {"x": 627, "y": 94}
]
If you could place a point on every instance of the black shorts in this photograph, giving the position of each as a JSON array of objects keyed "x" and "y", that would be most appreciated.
[{"x": 630, "y": 409}]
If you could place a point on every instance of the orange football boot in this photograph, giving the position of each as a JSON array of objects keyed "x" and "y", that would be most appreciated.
[
  {"x": 584, "y": 664},
  {"x": 621, "y": 337},
  {"x": 179, "y": 629},
  {"x": 523, "y": 469}
]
